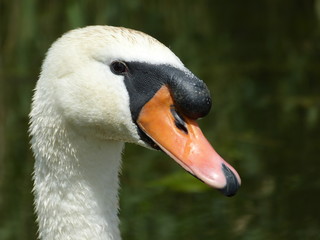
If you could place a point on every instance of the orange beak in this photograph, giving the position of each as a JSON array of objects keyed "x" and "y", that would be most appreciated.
[{"x": 182, "y": 139}]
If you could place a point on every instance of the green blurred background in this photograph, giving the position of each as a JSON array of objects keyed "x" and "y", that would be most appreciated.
[{"x": 261, "y": 61}]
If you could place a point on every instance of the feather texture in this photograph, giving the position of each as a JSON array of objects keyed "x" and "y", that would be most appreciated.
[{"x": 79, "y": 120}]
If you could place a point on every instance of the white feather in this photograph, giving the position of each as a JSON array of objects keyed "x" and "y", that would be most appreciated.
[{"x": 79, "y": 120}]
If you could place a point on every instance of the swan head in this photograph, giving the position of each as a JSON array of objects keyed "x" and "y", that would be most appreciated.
[{"x": 119, "y": 84}]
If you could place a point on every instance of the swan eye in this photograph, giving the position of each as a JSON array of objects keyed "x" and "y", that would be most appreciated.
[{"x": 118, "y": 67}]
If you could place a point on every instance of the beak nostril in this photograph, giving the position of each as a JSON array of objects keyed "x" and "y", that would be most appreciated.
[{"x": 178, "y": 120}]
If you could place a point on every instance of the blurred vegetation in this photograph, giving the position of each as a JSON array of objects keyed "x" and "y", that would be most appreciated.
[{"x": 261, "y": 60}]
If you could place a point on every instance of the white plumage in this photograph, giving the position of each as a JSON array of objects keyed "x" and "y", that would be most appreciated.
[
  {"x": 79, "y": 120},
  {"x": 99, "y": 87}
]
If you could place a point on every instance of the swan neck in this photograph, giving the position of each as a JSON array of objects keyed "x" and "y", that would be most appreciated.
[{"x": 75, "y": 184}]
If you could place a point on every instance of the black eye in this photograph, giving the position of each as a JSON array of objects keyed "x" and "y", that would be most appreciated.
[{"x": 118, "y": 67}]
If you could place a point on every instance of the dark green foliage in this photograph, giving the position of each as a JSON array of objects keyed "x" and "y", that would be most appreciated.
[{"x": 261, "y": 61}]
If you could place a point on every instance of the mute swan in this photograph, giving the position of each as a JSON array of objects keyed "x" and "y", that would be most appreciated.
[{"x": 101, "y": 86}]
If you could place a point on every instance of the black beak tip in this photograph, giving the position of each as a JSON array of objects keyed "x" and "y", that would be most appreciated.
[{"x": 232, "y": 185}]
